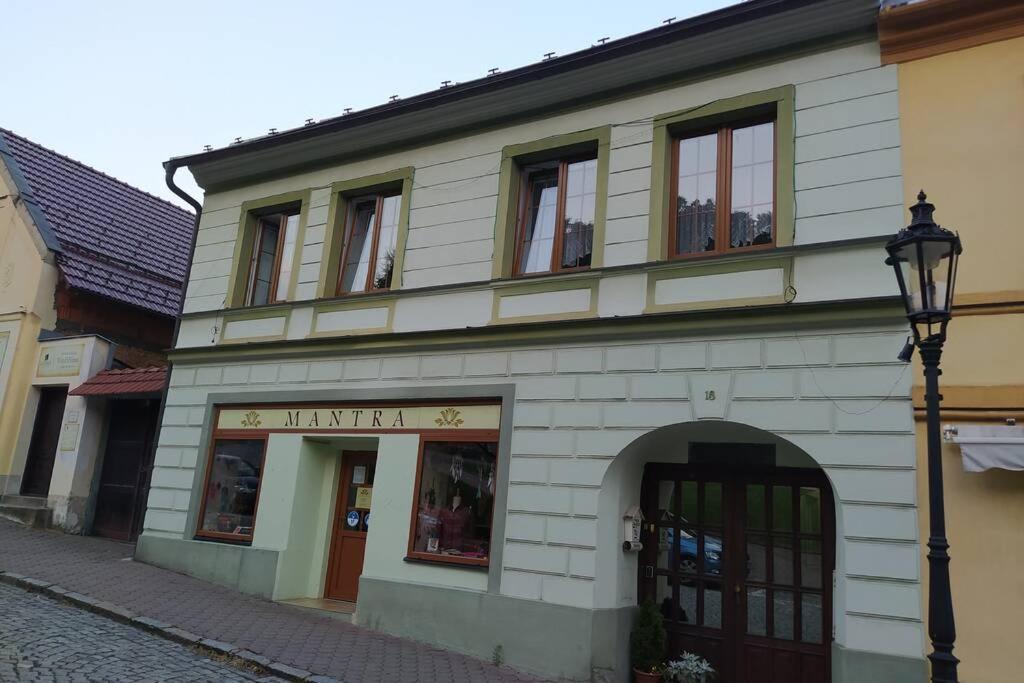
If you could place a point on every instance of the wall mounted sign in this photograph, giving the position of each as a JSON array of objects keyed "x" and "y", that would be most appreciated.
[
  {"x": 352, "y": 519},
  {"x": 361, "y": 418},
  {"x": 364, "y": 494},
  {"x": 69, "y": 436},
  {"x": 359, "y": 474},
  {"x": 60, "y": 361}
]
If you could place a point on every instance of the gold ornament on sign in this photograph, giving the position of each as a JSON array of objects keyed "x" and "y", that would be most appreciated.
[
  {"x": 449, "y": 418},
  {"x": 251, "y": 419}
]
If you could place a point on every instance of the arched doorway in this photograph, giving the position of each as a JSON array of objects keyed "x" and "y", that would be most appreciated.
[{"x": 739, "y": 548}]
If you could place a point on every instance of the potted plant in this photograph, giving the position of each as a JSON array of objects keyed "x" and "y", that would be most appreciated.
[
  {"x": 647, "y": 644},
  {"x": 689, "y": 668}
]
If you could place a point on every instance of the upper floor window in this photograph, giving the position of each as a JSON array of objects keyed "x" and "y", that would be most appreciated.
[
  {"x": 724, "y": 188},
  {"x": 270, "y": 264},
  {"x": 556, "y": 216},
  {"x": 371, "y": 236}
]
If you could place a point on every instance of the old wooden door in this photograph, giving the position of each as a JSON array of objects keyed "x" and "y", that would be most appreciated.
[
  {"x": 351, "y": 523},
  {"x": 740, "y": 563},
  {"x": 42, "y": 449},
  {"x": 124, "y": 478}
]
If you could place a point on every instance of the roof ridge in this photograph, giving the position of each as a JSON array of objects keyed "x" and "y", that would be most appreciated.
[{"x": 84, "y": 165}]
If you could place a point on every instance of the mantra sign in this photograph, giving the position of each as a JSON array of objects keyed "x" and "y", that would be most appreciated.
[{"x": 369, "y": 418}]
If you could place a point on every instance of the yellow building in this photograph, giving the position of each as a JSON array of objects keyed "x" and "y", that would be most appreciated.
[
  {"x": 88, "y": 300},
  {"x": 961, "y": 84}
]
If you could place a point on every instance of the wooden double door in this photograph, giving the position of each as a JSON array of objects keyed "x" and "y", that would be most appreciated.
[
  {"x": 350, "y": 525},
  {"x": 740, "y": 563}
]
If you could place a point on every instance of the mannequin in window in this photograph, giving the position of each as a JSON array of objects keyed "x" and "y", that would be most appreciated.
[
  {"x": 428, "y": 525},
  {"x": 455, "y": 519}
]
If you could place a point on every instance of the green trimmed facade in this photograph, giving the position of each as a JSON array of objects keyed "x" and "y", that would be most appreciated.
[{"x": 603, "y": 376}]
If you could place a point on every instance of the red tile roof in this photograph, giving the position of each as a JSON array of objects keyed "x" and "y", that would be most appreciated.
[
  {"x": 121, "y": 382},
  {"x": 115, "y": 240}
]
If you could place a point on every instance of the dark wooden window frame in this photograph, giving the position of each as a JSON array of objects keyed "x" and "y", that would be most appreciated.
[
  {"x": 723, "y": 185},
  {"x": 488, "y": 436},
  {"x": 351, "y": 202},
  {"x": 523, "y": 214},
  {"x": 257, "y": 244},
  {"x": 242, "y": 539}
]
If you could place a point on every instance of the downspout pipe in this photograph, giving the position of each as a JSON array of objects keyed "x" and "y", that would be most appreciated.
[{"x": 170, "y": 168}]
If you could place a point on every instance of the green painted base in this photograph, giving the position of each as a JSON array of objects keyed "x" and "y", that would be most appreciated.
[
  {"x": 249, "y": 570},
  {"x": 857, "y": 666}
]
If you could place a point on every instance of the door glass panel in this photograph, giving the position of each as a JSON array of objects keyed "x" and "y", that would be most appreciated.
[
  {"x": 713, "y": 605},
  {"x": 687, "y": 552},
  {"x": 810, "y": 510},
  {"x": 756, "y": 518},
  {"x": 782, "y": 560},
  {"x": 757, "y": 558},
  {"x": 712, "y": 504},
  {"x": 782, "y": 508},
  {"x": 756, "y": 620},
  {"x": 665, "y": 537},
  {"x": 810, "y": 618},
  {"x": 689, "y": 500},
  {"x": 664, "y": 596},
  {"x": 783, "y": 615},
  {"x": 666, "y": 501},
  {"x": 688, "y": 603},
  {"x": 810, "y": 564},
  {"x": 713, "y": 549}
]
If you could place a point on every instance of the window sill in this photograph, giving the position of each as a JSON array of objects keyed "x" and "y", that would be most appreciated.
[
  {"x": 451, "y": 562},
  {"x": 229, "y": 539}
]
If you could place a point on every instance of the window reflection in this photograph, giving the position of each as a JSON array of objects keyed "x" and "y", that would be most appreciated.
[{"x": 229, "y": 500}]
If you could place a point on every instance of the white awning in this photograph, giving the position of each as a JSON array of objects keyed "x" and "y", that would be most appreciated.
[{"x": 986, "y": 447}]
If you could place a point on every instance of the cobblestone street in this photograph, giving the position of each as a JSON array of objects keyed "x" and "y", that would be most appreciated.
[
  {"x": 43, "y": 640},
  {"x": 104, "y": 570}
]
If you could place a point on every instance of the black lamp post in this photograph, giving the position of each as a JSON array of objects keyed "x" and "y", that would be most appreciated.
[{"x": 924, "y": 256}]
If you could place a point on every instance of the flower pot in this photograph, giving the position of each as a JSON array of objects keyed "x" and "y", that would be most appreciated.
[{"x": 643, "y": 677}]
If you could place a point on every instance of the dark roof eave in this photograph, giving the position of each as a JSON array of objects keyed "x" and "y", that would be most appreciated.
[{"x": 820, "y": 20}]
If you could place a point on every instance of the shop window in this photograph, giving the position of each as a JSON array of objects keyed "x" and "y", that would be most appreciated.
[
  {"x": 270, "y": 264},
  {"x": 371, "y": 235},
  {"x": 724, "y": 188},
  {"x": 454, "y": 502},
  {"x": 556, "y": 216},
  {"x": 232, "y": 489}
]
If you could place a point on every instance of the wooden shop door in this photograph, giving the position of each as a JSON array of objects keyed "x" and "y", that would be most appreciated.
[
  {"x": 42, "y": 449},
  {"x": 740, "y": 563},
  {"x": 351, "y": 523}
]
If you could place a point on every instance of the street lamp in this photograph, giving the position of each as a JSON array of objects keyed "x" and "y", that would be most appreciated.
[{"x": 924, "y": 256}]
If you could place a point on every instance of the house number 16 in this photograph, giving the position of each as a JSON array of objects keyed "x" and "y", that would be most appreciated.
[{"x": 709, "y": 395}]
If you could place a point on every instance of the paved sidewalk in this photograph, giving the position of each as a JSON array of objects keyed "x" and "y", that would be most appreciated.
[
  {"x": 42, "y": 640},
  {"x": 103, "y": 570}
]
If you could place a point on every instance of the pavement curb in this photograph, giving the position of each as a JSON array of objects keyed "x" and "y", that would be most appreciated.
[{"x": 206, "y": 645}]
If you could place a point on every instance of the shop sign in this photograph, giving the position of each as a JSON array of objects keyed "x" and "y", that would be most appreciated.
[
  {"x": 369, "y": 418},
  {"x": 60, "y": 361}
]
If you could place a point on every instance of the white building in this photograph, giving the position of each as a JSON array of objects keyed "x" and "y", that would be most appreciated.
[{"x": 544, "y": 343}]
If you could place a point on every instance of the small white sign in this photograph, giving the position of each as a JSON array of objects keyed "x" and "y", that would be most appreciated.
[
  {"x": 60, "y": 361},
  {"x": 359, "y": 474},
  {"x": 69, "y": 437},
  {"x": 72, "y": 417}
]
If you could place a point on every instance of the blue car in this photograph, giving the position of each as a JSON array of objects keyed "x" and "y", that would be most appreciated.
[{"x": 688, "y": 552}]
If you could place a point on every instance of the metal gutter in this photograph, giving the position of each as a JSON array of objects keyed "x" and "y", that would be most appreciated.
[
  {"x": 26, "y": 197},
  {"x": 170, "y": 168}
]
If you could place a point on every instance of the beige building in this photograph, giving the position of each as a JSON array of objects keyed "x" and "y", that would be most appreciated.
[{"x": 960, "y": 67}]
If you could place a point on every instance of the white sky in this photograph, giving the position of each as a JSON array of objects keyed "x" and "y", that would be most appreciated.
[{"x": 123, "y": 85}]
